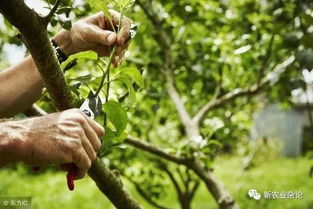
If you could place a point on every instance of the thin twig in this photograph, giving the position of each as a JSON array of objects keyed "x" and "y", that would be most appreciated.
[{"x": 52, "y": 11}]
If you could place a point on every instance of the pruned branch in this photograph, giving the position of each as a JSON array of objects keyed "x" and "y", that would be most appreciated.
[
  {"x": 270, "y": 79},
  {"x": 30, "y": 24}
]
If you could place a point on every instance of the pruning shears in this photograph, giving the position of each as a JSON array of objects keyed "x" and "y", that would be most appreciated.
[{"x": 92, "y": 108}]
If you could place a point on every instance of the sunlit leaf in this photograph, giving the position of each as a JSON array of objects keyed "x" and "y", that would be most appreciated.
[
  {"x": 134, "y": 74},
  {"x": 117, "y": 115},
  {"x": 132, "y": 94}
]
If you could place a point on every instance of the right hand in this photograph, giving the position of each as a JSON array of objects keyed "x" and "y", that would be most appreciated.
[{"x": 60, "y": 138}]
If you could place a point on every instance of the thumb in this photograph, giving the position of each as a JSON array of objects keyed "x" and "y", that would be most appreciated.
[{"x": 98, "y": 35}]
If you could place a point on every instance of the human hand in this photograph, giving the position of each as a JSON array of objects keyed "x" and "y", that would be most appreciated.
[
  {"x": 58, "y": 138},
  {"x": 95, "y": 33}
]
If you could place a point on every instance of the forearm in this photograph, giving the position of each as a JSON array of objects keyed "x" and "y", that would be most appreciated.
[
  {"x": 11, "y": 143},
  {"x": 20, "y": 87}
]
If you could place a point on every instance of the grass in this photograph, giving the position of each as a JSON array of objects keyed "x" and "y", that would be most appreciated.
[{"x": 48, "y": 189}]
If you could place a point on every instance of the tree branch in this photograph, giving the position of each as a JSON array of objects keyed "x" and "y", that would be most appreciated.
[
  {"x": 140, "y": 144},
  {"x": 174, "y": 181},
  {"x": 165, "y": 45},
  {"x": 223, "y": 198},
  {"x": 215, "y": 187},
  {"x": 174, "y": 95},
  {"x": 31, "y": 25},
  {"x": 52, "y": 11},
  {"x": 111, "y": 186},
  {"x": 269, "y": 79},
  {"x": 194, "y": 189},
  {"x": 145, "y": 195}
]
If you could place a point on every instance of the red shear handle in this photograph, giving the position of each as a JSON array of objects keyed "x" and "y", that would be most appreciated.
[{"x": 71, "y": 173}]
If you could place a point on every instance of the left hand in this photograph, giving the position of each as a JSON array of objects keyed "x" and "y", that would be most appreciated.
[{"x": 95, "y": 33}]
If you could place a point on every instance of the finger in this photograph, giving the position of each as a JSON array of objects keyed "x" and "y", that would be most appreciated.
[
  {"x": 115, "y": 61},
  {"x": 120, "y": 50},
  {"x": 125, "y": 27},
  {"x": 92, "y": 141},
  {"x": 97, "y": 35},
  {"x": 83, "y": 164},
  {"x": 90, "y": 150},
  {"x": 94, "y": 125}
]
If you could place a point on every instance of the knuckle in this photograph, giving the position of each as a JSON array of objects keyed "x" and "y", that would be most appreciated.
[
  {"x": 79, "y": 118},
  {"x": 87, "y": 164},
  {"x": 93, "y": 157},
  {"x": 75, "y": 145},
  {"x": 98, "y": 146},
  {"x": 101, "y": 131}
]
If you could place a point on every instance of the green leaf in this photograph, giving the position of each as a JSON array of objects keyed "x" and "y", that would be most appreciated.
[
  {"x": 111, "y": 140},
  {"x": 134, "y": 74},
  {"x": 89, "y": 55},
  {"x": 117, "y": 115},
  {"x": 83, "y": 79},
  {"x": 65, "y": 22},
  {"x": 123, "y": 4},
  {"x": 132, "y": 94},
  {"x": 101, "y": 5}
]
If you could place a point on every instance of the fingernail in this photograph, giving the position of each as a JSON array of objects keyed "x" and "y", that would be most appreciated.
[
  {"x": 116, "y": 58},
  {"x": 111, "y": 38}
]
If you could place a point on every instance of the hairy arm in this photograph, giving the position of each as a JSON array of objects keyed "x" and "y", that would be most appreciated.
[{"x": 21, "y": 84}]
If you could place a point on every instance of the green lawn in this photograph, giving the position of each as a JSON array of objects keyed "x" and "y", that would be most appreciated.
[{"x": 48, "y": 189}]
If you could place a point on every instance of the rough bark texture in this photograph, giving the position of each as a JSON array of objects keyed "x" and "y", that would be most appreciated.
[
  {"x": 111, "y": 185},
  {"x": 34, "y": 33}
]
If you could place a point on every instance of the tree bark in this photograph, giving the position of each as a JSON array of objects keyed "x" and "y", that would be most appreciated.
[{"x": 33, "y": 29}]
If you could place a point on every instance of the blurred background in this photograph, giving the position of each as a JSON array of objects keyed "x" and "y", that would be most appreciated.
[{"x": 227, "y": 84}]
